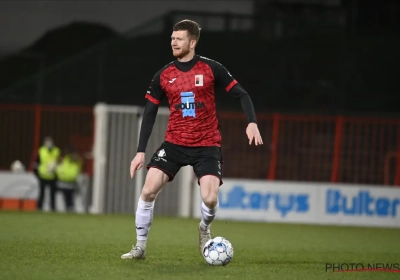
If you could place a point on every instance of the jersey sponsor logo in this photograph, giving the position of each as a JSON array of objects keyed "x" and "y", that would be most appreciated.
[
  {"x": 198, "y": 80},
  {"x": 189, "y": 105}
]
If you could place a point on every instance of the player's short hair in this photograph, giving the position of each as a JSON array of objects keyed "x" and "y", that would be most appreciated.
[{"x": 192, "y": 28}]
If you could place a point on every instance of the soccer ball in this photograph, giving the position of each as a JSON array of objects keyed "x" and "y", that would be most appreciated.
[{"x": 218, "y": 251}]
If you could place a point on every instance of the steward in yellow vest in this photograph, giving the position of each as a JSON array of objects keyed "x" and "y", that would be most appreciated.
[
  {"x": 46, "y": 163},
  {"x": 67, "y": 174}
]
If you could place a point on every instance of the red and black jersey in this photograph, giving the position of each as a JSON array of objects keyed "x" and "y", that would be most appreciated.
[{"x": 190, "y": 91}]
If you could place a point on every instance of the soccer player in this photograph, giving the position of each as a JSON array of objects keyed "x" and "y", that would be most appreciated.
[{"x": 192, "y": 136}]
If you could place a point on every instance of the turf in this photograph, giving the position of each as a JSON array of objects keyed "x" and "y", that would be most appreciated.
[{"x": 67, "y": 246}]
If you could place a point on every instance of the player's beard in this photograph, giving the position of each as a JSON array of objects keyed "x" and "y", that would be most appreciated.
[{"x": 182, "y": 53}]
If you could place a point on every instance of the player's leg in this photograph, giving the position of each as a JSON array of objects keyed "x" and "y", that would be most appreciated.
[
  {"x": 208, "y": 170},
  {"x": 155, "y": 180},
  {"x": 162, "y": 169},
  {"x": 53, "y": 191},
  {"x": 42, "y": 191},
  {"x": 209, "y": 188},
  {"x": 68, "y": 194}
]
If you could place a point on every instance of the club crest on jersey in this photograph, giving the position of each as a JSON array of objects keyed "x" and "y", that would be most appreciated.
[{"x": 198, "y": 80}]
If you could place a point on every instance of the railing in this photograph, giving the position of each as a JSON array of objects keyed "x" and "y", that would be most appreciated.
[
  {"x": 296, "y": 147},
  {"x": 23, "y": 127},
  {"x": 314, "y": 148}
]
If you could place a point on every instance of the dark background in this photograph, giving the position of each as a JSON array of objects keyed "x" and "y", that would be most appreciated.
[{"x": 326, "y": 57}]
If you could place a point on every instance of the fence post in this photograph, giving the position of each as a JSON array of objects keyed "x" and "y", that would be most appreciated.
[
  {"x": 336, "y": 151},
  {"x": 274, "y": 147},
  {"x": 99, "y": 158},
  {"x": 397, "y": 174},
  {"x": 36, "y": 139}
]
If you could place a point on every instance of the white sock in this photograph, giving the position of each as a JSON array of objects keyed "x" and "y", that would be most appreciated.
[
  {"x": 144, "y": 218},
  {"x": 207, "y": 215}
]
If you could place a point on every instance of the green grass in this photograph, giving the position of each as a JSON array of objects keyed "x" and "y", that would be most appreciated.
[{"x": 63, "y": 246}]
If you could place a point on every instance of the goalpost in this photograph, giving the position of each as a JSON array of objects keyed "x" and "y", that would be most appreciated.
[{"x": 115, "y": 142}]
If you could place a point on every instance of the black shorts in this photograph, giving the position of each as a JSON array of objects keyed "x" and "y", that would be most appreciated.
[{"x": 205, "y": 160}]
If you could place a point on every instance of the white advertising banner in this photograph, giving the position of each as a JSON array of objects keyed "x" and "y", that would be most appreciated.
[
  {"x": 265, "y": 201},
  {"x": 14, "y": 185},
  {"x": 364, "y": 206},
  {"x": 26, "y": 186},
  {"x": 333, "y": 204}
]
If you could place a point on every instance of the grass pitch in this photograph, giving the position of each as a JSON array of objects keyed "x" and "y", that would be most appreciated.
[{"x": 67, "y": 246}]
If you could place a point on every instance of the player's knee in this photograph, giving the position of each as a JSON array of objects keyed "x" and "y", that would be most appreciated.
[
  {"x": 155, "y": 181},
  {"x": 148, "y": 194},
  {"x": 209, "y": 191},
  {"x": 211, "y": 200}
]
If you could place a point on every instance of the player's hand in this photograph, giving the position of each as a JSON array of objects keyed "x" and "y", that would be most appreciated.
[
  {"x": 253, "y": 134},
  {"x": 137, "y": 163}
]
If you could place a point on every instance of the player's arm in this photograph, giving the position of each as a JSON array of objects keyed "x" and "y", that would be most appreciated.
[
  {"x": 154, "y": 96},
  {"x": 225, "y": 80},
  {"x": 238, "y": 92},
  {"x": 149, "y": 118},
  {"x": 252, "y": 131}
]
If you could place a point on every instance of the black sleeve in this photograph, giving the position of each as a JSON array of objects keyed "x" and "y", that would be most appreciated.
[
  {"x": 149, "y": 117},
  {"x": 224, "y": 79},
  {"x": 155, "y": 93},
  {"x": 238, "y": 92}
]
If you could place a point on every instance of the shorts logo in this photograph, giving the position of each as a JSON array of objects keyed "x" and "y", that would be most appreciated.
[
  {"x": 162, "y": 153},
  {"x": 160, "y": 156}
]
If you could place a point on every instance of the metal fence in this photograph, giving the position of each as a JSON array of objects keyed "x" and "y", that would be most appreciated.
[
  {"x": 297, "y": 147},
  {"x": 23, "y": 127},
  {"x": 315, "y": 149}
]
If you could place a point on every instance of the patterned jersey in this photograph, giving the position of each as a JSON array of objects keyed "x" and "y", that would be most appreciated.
[{"x": 190, "y": 90}]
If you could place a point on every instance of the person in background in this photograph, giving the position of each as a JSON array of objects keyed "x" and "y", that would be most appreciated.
[
  {"x": 44, "y": 169},
  {"x": 18, "y": 167},
  {"x": 67, "y": 174}
]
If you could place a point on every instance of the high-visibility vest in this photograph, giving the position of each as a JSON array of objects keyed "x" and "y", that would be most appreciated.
[
  {"x": 48, "y": 162},
  {"x": 68, "y": 170}
]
